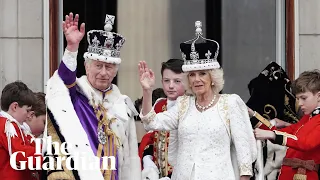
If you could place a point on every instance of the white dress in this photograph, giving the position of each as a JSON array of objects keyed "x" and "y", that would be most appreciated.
[{"x": 206, "y": 138}]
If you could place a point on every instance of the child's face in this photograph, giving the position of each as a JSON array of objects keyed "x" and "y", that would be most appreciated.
[
  {"x": 20, "y": 113},
  {"x": 36, "y": 124},
  {"x": 172, "y": 84},
  {"x": 308, "y": 101}
]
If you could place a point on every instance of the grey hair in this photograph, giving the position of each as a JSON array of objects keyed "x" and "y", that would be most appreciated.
[
  {"x": 88, "y": 61},
  {"x": 216, "y": 77}
]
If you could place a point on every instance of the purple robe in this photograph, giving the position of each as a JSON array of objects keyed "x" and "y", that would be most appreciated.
[
  {"x": 82, "y": 107},
  {"x": 127, "y": 159}
]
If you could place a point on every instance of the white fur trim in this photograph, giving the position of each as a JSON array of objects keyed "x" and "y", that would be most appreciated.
[
  {"x": 124, "y": 127},
  {"x": 259, "y": 163},
  {"x": 114, "y": 101},
  {"x": 130, "y": 106},
  {"x": 273, "y": 164},
  {"x": 196, "y": 67},
  {"x": 112, "y": 60},
  {"x": 59, "y": 102}
]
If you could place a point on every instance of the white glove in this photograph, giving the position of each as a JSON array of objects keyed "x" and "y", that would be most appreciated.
[
  {"x": 147, "y": 162},
  {"x": 165, "y": 178}
]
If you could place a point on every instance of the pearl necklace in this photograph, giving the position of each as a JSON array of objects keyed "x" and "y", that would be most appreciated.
[{"x": 208, "y": 106}]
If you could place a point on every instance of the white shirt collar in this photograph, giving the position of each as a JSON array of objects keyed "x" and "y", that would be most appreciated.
[
  {"x": 26, "y": 127},
  {"x": 8, "y": 116},
  {"x": 170, "y": 103}
]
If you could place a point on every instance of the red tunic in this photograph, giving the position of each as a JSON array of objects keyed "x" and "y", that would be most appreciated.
[
  {"x": 303, "y": 142},
  {"x": 160, "y": 142},
  {"x": 17, "y": 144}
]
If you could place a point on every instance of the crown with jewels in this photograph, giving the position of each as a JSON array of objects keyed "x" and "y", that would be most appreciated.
[
  {"x": 105, "y": 45},
  {"x": 199, "y": 56}
]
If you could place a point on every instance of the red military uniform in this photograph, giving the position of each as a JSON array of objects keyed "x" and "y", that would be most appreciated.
[
  {"x": 303, "y": 141},
  {"x": 12, "y": 138},
  {"x": 159, "y": 140}
]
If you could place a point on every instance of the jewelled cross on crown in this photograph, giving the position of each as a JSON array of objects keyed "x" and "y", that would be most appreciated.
[
  {"x": 109, "y": 21},
  {"x": 195, "y": 55},
  {"x": 198, "y": 25}
]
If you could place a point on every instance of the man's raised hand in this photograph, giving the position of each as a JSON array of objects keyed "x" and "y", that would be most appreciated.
[{"x": 71, "y": 31}]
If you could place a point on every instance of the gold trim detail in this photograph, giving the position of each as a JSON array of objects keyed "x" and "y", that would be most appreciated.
[
  {"x": 285, "y": 136},
  {"x": 71, "y": 85},
  {"x": 67, "y": 174},
  {"x": 263, "y": 120},
  {"x": 183, "y": 106},
  {"x": 268, "y": 112}
]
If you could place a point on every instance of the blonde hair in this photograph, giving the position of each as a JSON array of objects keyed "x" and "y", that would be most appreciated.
[{"x": 216, "y": 77}]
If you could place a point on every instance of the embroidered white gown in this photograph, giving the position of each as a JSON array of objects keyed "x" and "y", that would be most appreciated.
[{"x": 204, "y": 151}]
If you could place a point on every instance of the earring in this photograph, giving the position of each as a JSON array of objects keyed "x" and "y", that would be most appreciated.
[{"x": 212, "y": 84}]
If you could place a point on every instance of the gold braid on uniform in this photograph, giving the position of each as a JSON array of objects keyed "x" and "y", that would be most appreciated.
[
  {"x": 108, "y": 140},
  {"x": 58, "y": 174}
]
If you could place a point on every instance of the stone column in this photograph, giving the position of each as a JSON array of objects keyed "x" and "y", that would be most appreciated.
[
  {"x": 309, "y": 35},
  {"x": 145, "y": 25},
  {"x": 21, "y": 43}
]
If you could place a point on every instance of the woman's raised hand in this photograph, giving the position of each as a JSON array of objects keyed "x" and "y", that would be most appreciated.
[{"x": 146, "y": 76}]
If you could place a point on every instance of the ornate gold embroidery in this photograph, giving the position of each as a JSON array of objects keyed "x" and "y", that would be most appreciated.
[
  {"x": 150, "y": 116},
  {"x": 66, "y": 174},
  {"x": 161, "y": 152},
  {"x": 109, "y": 142},
  {"x": 228, "y": 122},
  {"x": 300, "y": 177},
  {"x": 288, "y": 110},
  {"x": 267, "y": 113},
  {"x": 290, "y": 115},
  {"x": 164, "y": 108},
  {"x": 183, "y": 106},
  {"x": 245, "y": 169},
  {"x": 224, "y": 110},
  {"x": 286, "y": 100}
]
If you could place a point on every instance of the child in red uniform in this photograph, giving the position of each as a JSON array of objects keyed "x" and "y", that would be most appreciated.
[
  {"x": 35, "y": 123},
  {"x": 16, "y": 102},
  {"x": 302, "y": 139}
]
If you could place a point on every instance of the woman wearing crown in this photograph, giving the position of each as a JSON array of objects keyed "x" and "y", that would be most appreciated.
[{"x": 214, "y": 131}]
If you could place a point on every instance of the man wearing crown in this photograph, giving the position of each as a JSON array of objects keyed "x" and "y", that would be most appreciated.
[{"x": 89, "y": 113}]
